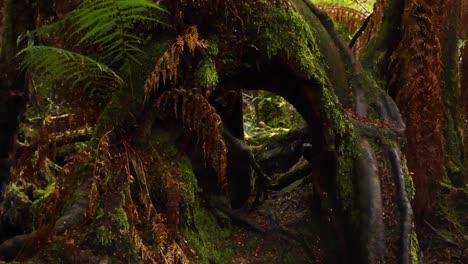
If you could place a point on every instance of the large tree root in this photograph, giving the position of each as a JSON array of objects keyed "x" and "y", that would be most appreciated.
[
  {"x": 370, "y": 205},
  {"x": 406, "y": 213}
]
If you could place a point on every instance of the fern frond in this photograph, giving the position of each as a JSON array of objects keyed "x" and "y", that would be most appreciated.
[
  {"x": 166, "y": 66},
  {"x": 109, "y": 24},
  {"x": 197, "y": 115},
  {"x": 52, "y": 65},
  {"x": 351, "y": 19}
]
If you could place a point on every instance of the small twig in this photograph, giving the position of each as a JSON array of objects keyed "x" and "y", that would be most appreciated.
[
  {"x": 446, "y": 239},
  {"x": 362, "y": 5}
]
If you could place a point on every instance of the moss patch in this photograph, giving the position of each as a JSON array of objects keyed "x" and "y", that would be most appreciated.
[
  {"x": 287, "y": 31},
  {"x": 205, "y": 73},
  {"x": 414, "y": 248},
  {"x": 119, "y": 217},
  {"x": 202, "y": 229},
  {"x": 103, "y": 237}
]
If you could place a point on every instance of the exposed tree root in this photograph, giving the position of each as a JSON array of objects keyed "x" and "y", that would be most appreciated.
[
  {"x": 370, "y": 205},
  {"x": 444, "y": 238},
  {"x": 235, "y": 215},
  {"x": 76, "y": 213},
  {"x": 406, "y": 213},
  {"x": 300, "y": 170}
]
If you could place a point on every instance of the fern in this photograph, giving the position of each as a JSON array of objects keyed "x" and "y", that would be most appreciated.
[
  {"x": 109, "y": 24},
  {"x": 52, "y": 65},
  {"x": 166, "y": 66},
  {"x": 195, "y": 113},
  {"x": 349, "y": 18}
]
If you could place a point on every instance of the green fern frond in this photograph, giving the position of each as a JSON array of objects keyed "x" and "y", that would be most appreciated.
[
  {"x": 52, "y": 65},
  {"x": 109, "y": 24}
]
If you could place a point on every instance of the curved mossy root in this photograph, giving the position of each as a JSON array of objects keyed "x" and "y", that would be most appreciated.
[
  {"x": 73, "y": 216},
  {"x": 406, "y": 212},
  {"x": 390, "y": 139},
  {"x": 370, "y": 205}
]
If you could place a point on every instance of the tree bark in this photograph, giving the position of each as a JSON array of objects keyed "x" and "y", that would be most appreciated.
[{"x": 16, "y": 17}]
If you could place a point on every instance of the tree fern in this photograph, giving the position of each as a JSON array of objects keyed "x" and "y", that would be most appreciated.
[
  {"x": 52, "y": 65},
  {"x": 109, "y": 24}
]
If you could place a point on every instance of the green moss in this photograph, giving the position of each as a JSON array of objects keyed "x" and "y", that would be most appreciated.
[
  {"x": 103, "y": 237},
  {"x": 414, "y": 248},
  {"x": 346, "y": 145},
  {"x": 375, "y": 53},
  {"x": 119, "y": 217},
  {"x": 41, "y": 195},
  {"x": 186, "y": 175},
  {"x": 201, "y": 230},
  {"x": 100, "y": 213},
  {"x": 455, "y": 157},
  {"x": 206, "y": 75},
  {"x": 287, "y": 31},
  {"x": 410, "y": 188},
  {"x": 454, "y": 147},
  {"x": 19, "y": 188},
  {"x": 275, "y": 112}
]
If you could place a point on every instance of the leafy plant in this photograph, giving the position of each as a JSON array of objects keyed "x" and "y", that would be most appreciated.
[
  {"x": 110, "y": 23},
  {"x": 107, "y": 24},
  {"x": 52, "y": 64}
]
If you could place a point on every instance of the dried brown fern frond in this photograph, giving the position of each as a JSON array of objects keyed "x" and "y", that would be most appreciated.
[
  {"x": 351, "y": 19},
  {"x": 373, "y": 26},
  {"x": 198, "y": 116},
  {"x": 166, "y": 66},
  {"x": 101, "y": 163},
  {"x": 154, "y": 173}
]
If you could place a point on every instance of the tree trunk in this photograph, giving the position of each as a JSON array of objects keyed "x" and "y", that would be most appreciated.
[{"x": 16, "y": 17}]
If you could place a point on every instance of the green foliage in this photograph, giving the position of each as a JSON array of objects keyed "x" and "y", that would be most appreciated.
[
  {"x": 414, "y": 247},
  {"x": 107, "y": 24},
  {"x": 276, "y": 112},
  {"x": 54, "y": 65},
  {"x": 110, "y": 25},
  {"x": 409, "y": 184},
  {"x": 201, "y": 228},
  {"x": 206, "y": 75}
]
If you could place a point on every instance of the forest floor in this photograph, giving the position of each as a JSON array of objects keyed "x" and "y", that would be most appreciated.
[
  {"x": 283, "y": 229},
  {"x": 289, "y": 228}
]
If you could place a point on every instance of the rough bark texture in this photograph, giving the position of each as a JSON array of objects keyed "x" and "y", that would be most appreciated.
[
  {"x": 15, "y": 18},
  {"x": 416, "y": 83},
  {"x": 455, "y": 158},
  {"x": 463, "y": 106}
]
